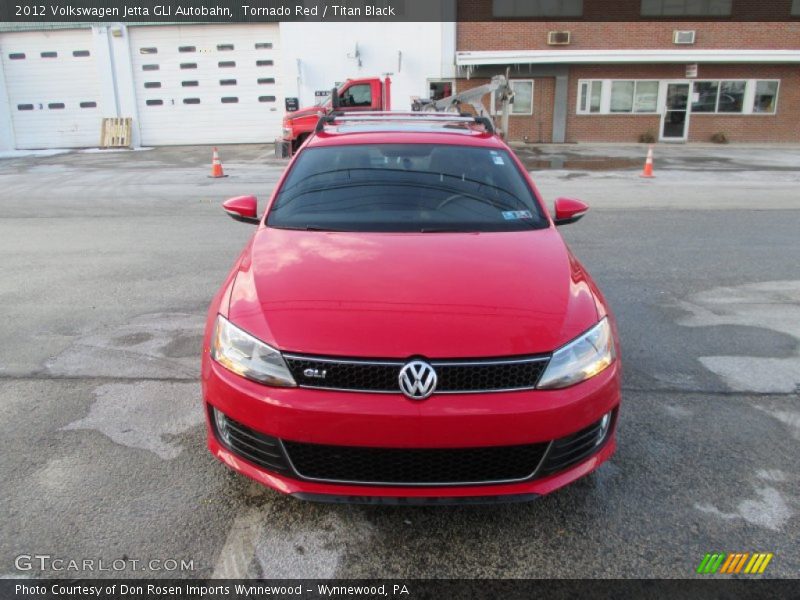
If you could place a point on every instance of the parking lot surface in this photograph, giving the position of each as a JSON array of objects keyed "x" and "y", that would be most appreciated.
[{"x": 109, "y": 261}]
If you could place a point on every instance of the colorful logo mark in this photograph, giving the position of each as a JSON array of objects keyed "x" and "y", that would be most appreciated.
[{"x": 735, "y": 562}]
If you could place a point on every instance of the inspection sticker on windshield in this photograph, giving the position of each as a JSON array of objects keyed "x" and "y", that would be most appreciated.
[
  {"x": 513, "y": 215},
  {"x": 498, "y": 160}
]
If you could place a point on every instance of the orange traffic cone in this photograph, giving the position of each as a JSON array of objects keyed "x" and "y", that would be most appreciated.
[
  {"x": 216, "y": 166},
  {"x": 648, "y": 164}
]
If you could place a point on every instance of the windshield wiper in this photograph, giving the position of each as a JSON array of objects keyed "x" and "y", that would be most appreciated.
[
  {"x": 446, "y": 230},
  {"x": 282, "y": 201},
  {"x": 414, "y": 171},
  {"x": 303, "y": 227}
]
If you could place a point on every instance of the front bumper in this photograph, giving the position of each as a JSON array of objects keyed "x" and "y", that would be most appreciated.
[{"x": 353, "y": 419}]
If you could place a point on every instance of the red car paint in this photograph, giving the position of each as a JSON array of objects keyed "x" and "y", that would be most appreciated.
[{"x": 400, "y": 295}]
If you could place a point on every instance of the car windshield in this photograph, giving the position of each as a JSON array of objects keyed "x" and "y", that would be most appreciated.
[{"x": 405, "y": 188}]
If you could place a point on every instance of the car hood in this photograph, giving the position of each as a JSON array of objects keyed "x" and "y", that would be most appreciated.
[
  {"x": 436, "y": 295},
  {"x": 306, "y": 111}
]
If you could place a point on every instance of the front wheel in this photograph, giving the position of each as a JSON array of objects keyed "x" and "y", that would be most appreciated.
[{"x": 298, "y": 141}]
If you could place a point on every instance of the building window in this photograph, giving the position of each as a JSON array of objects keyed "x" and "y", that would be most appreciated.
[
  {"x": 80, "y": 53},
  {"x": 537, "y": 8},
  {"x": 590, "y": 95},
  {"x": 634, "y": 96},
  {"x": 796, "y": 8},
  {"x": 49, "y": 54},
  {"x": 766, "y": 98},
  {"x": 731, "y": 96},
  {"x": 622, "y": 96},
  {"x": 719, "y": 96},
  {"x": 224, "y": 47},
  {"x": 705, "y": 96},
  {"x": 523, "y": 96},
  {"x": 696, "y": 8},
  {"x": 441, "y": 89},
  {"x": 646, "y": 98}
]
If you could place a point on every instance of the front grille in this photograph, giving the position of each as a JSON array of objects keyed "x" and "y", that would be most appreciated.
[
  {"x": 455, "y": 376},
  {"x": 414, "y": 466}
]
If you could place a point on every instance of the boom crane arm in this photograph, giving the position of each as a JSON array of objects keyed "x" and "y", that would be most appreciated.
[{"x": 499, "y": 87}]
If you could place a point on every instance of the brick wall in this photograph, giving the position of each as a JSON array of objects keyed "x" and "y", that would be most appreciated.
[
  {"x": 630, "y": 10},
  {"x": 629, "y": 31},
  {"x": 522, "y": 35}
]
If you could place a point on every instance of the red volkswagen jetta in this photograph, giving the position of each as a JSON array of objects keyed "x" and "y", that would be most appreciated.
[{"x": 407, "y": 325}]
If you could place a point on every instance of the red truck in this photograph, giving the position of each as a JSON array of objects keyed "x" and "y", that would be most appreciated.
[{"x": 364, "y": 94}]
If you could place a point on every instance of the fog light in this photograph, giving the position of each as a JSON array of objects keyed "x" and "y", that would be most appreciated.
[
  {"x": 222, "y": 426},
  {"x": 605, "y": 422}
]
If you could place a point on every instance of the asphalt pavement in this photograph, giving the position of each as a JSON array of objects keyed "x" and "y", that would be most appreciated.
[{"x": 108, "y": 262}]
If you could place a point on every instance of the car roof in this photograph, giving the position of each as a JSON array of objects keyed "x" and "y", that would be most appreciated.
[{"x": 405, "y": 128}]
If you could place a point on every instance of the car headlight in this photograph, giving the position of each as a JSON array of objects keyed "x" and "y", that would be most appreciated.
[
  {"x": 580, "y": 359},
  {"x": 240, "y": 352}
]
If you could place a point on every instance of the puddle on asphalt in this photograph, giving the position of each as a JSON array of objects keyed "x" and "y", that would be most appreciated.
[
  {"x": 579, "y": 163},
  {"x": 151, "y": 345}
]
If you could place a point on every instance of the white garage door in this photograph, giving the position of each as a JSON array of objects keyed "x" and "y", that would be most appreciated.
[
  {"x": 53, "y": 88},
  {"x": 207, "y": 84}
]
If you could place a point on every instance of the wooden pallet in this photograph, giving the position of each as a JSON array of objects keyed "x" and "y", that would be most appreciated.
[{"x": 116, "y": 132}]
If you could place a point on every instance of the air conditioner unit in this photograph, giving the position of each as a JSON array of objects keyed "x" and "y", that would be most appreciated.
[
  {"x": 683, "y": 37},
  {"x": 558, "y": 38}
]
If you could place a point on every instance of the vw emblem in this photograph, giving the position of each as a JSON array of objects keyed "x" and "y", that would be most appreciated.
[{"x": 417, "y": 380}]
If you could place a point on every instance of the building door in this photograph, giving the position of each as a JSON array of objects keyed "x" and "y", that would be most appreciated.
[
  {"x": 207, "y": 84},
  {"x": 53, "y": 88},
  {"x": 675, "y": 116}
]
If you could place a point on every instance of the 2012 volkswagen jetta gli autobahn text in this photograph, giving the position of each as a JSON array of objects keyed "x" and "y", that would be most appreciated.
[{"x": 407, "y": 325}]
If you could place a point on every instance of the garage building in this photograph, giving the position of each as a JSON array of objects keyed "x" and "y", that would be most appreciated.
[{"x": 197, "y": 83}]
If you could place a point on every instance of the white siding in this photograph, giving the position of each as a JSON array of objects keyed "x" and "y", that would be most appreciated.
[
  {"x": 317, "y": 55},
  {"x": 53, "y": 88}
]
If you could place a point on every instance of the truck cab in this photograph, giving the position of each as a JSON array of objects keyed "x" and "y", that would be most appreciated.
[{"x": 364, "y": 94}]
